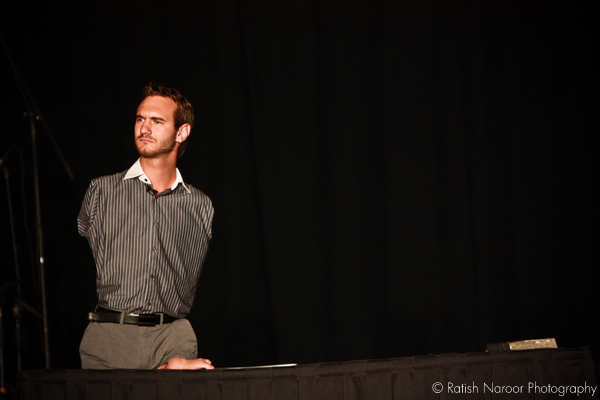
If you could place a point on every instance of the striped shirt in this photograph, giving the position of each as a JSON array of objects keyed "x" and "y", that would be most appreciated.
[{"x": 148, "y": 247}]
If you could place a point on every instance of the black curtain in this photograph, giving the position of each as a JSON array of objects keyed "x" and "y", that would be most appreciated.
[{"x": 389, "y": 178}]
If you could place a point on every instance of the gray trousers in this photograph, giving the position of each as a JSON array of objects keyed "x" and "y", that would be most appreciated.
[{"x": 107, "y": 345}]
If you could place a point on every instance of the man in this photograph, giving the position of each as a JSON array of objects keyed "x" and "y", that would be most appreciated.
[{"x": 149, "y": 234}]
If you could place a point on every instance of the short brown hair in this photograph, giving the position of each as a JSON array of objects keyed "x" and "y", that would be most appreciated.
[{"x": 184, "y": 114}]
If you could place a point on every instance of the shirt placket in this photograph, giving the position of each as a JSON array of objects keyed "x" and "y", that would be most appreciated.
[{"x": 154, "y": 254}]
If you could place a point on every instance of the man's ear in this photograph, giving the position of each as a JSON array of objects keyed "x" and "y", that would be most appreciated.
[{"x": 183, "y": 133}]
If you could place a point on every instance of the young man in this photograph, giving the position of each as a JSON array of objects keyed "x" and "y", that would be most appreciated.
[{"x": 149, "y": 234}]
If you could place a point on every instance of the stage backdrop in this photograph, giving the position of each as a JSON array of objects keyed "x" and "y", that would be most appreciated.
[{"x": 390, "y": 178}]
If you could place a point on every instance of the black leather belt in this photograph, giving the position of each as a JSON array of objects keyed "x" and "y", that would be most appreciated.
[{"x": 120, "y": 317}]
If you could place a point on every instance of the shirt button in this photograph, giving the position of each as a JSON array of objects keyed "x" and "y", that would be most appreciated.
[
  {"x": 148, "y": 304},
  {"x": 152, "y": 276}
]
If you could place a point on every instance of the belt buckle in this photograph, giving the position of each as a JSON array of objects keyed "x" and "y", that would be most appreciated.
[{"x": 147, "y": 320}]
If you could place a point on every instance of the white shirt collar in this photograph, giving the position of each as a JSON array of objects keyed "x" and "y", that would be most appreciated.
[{"x": 136, "y": 171}]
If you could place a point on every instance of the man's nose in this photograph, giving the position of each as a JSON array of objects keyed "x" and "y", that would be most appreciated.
[{"x": 145, "y": 128}]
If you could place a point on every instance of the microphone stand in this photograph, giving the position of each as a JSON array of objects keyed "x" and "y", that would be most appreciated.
[
  {"x": 34, "y": 115},
  {"x": 16, "y": 310}
]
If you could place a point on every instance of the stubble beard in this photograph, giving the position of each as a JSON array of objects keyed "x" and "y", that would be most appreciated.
[{"x": 155, "y": 148}]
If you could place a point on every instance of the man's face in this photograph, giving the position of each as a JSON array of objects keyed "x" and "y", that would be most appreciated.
[{"x": 155, "y": 132}]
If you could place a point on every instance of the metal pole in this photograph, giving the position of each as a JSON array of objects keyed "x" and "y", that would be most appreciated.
[{"x": 40, "y": 238}]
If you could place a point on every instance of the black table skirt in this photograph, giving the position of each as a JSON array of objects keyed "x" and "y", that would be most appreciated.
[{"x": 534, "y": 374}]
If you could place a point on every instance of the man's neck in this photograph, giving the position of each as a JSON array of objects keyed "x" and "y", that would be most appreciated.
[{"x": 161, "y": 172}]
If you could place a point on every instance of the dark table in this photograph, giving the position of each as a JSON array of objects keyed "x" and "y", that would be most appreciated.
[{"x": 532, "y": 374}]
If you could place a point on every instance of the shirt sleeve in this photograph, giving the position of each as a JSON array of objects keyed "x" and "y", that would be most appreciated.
[
  {"x": 89, "y": 209},
  {"x": 209, "y": 213}
]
